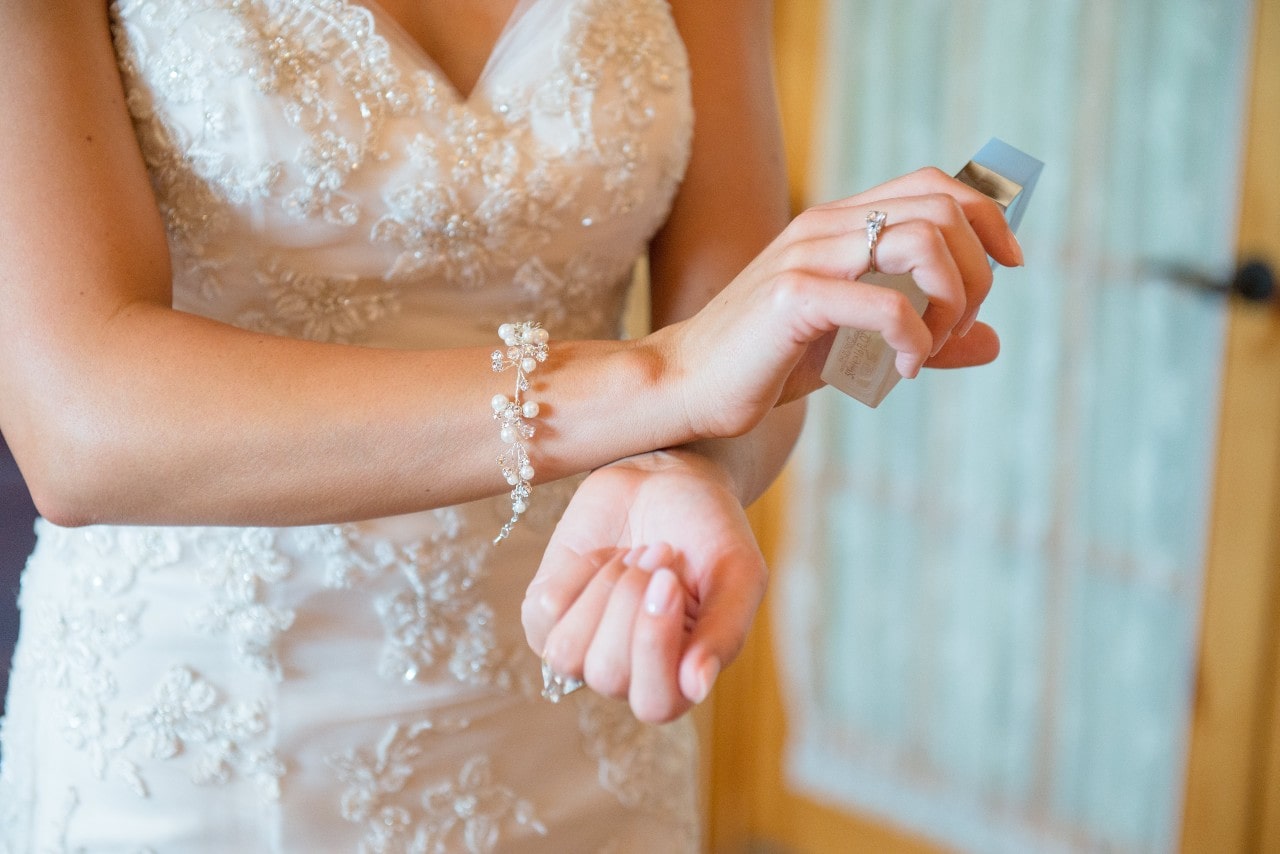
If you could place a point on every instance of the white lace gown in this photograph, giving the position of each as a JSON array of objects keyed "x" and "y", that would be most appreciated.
[{"x": 361, "y": 687}]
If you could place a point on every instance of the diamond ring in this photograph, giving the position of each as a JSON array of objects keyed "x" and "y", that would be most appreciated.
[{"x": 875, "y": 222}]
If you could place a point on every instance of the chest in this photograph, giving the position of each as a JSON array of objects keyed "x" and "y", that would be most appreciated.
[{"x": 459, "y": 35}]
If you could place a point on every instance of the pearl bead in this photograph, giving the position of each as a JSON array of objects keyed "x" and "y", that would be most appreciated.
[
  {"x": 529, "y": 335},
  {"x": 519, "y": 507},
  {"x": 508, "y": 435},
  {"x": 506, "y": 331},
  {"x": 528, "y": 363},
  {"x": 512, "y": 479},
  {"x": 498, "y": 402},
  {"x": 530, "y": 409},
  {"x": 526, "y": 472}
]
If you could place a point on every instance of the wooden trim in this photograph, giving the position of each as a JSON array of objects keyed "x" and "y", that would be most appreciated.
[
  {"x": 797, "y": 37},
  {"x": 1233, "y": 773}
]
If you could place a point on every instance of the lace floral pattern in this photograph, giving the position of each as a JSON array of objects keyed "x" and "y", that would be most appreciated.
[
  {"x": 437, "y": 617},
  {"x": 572, "y": 300},
  {"x": 469, "y": 812},
  {"x": 188, "y": 715},
  {"x": 76, "y": 652},
  {"x": 638, "y": 763},
  {"x": 238, "y": 566},
  {"x": 316, "y": 307}
]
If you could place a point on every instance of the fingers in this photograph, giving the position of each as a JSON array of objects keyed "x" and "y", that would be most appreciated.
[
  {"x": 593, "y": 639},
  {"x": 936, "y": 216},
  {"x": 818, "y": 304},
  {"x": 633, "y": 632},
  {"x": 566, "y": 643},
  {"x": 607, "y": 666},
  {"x": 979, "y": 347},
  {"x": 726, "y": 610},
  {"x": 928, "y": 237},
  {"x": 985, "y": 216},
  {"x": 559, "y": 581},
  {"x": 658, "y": 639}
]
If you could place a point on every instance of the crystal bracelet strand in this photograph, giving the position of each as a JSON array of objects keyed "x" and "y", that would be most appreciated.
[{"x": 526, "y": 347}]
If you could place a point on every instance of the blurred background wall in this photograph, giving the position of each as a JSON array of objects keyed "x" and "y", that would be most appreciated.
[{"x": 1032, "y": 607}]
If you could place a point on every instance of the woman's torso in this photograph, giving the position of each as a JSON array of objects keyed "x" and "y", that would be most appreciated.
[{"x": 364, "y": 686}]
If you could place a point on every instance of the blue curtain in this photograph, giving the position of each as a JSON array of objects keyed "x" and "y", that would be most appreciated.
[{"x": 988, "y": 606}]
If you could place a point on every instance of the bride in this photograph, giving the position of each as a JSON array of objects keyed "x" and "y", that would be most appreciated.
[{"x": 309, "y": 357}]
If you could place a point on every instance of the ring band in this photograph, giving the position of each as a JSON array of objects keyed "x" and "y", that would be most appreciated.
[{"x": 875, "y": 222}]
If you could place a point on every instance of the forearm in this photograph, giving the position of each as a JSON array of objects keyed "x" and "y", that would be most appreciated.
[{"x": 163, "y": 417}]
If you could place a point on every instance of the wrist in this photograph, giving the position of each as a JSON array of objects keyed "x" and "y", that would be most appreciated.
[
  {"x": 672, "y": 385},
  {"x": 607, "y": 400},
  {"x": 686, "y": 458}
]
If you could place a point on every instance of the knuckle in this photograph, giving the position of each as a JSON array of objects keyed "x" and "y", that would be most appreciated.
[
  {"x": 802, "y": 225},
  {"x": 549, "y": 602},
  {"x": 897, "y": 309},
  {"x": 789, "y": 289},
  {"x": 945, "y": 208},
  {"x": 932, "y": 174},
  {"x": 792, "y": 257}
]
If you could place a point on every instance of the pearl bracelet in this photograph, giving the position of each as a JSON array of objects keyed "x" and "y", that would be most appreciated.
[{"x": 526, "y": 347}]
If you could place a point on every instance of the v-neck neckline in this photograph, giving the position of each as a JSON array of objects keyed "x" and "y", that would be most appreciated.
[{"x": 383, "y": 18}]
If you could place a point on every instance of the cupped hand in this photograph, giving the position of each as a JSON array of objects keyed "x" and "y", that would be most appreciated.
[
  {"x": 762, "y": 340},
  {"x": 649, "y": 584}
]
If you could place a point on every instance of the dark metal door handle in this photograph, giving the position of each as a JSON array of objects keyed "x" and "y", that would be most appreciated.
[{"x": 1253, "y": 281}]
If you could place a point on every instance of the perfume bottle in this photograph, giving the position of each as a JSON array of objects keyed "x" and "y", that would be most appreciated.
[{"x": 861, "y": 363}]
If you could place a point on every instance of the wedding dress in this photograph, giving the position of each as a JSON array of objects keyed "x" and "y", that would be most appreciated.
[{"x": 361, "y": 687}]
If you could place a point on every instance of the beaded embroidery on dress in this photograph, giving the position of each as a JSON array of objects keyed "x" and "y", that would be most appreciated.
[{"x": 361, "y": 687}]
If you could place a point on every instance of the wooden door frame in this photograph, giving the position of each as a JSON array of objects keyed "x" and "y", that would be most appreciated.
[{"x": 1233, "y": 772}]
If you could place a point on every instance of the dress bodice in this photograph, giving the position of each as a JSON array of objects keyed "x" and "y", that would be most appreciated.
[{"x": 321, "y": 178}]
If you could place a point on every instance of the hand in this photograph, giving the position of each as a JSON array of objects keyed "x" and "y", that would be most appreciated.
[
  {"x": 649, "y": 584},
  {"x": 763, "y": 340}
]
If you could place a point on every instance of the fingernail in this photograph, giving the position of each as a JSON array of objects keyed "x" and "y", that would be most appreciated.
[
  {"x": 660, "y": 597},
  {"x": 632, "y": 558},
  {"x": 710, "y": 671},
  {"x": 963, "y": 327},
  {"x": 941, "y": 342},
  {"x": 657, "y": 556}
]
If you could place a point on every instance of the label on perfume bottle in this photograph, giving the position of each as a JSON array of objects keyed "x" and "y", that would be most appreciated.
[{"x": 861, "y": 363}]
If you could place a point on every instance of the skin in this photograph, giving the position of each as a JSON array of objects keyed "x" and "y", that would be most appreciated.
[{"x": 121, "y": 410}]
